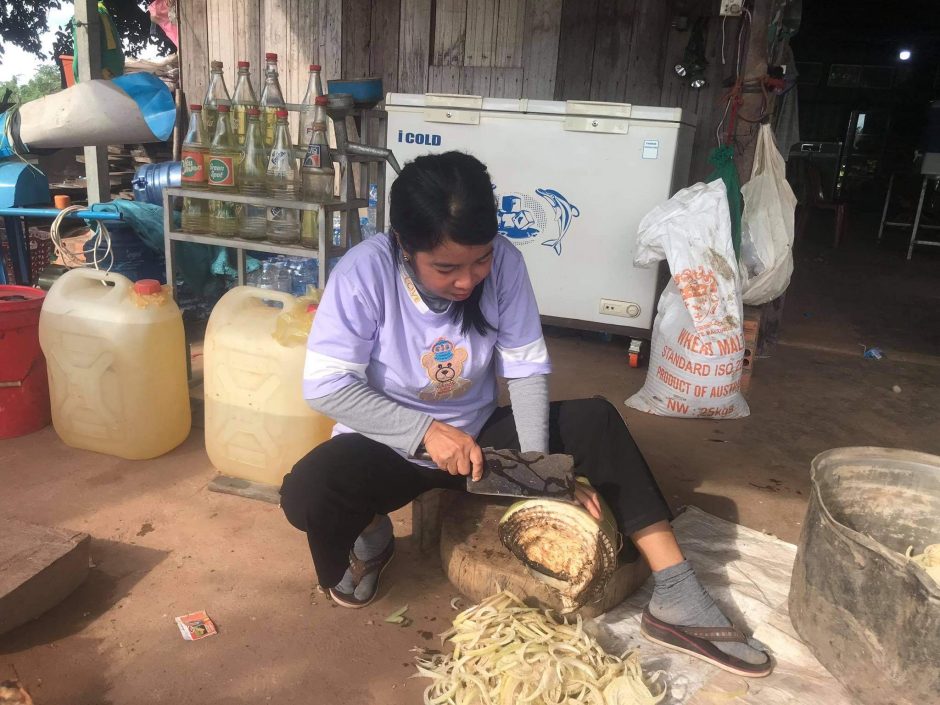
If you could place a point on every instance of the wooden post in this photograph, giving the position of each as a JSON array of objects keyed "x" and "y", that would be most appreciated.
[
  {"x": 178, "y": 128},
  {"x": 755, "y": 66},
  {"x": 87, "y": 47},
  {"x": 426, "y": 520},
  {"x": 194, "y": 48}
]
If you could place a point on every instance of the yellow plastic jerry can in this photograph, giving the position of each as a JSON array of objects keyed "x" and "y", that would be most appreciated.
[
  {"x": 116, "y": 356},
  {"x": 257, "y": 422}
]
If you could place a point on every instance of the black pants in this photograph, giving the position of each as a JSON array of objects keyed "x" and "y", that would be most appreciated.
[{"x": 333, "y": 493}]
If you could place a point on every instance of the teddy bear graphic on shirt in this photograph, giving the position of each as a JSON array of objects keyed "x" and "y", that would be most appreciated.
[{"x": 444, "y": 365}]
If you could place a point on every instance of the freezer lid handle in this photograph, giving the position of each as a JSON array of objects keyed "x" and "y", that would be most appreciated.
[
  {"x": 449, "y": 100},
  {"x": 453, "y": 116},
  {"x": 596, "y": 109},
  {"x": 589, "y": 116},
  {"x": 454, "y": 109},
  {"x": 611, "y": 126}
]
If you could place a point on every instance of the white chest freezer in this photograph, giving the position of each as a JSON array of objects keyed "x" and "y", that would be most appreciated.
[{"x": 572, "y": 182}]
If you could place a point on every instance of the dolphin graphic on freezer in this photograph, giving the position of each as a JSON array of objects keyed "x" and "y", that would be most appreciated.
[{"x": 565, "y": 212}]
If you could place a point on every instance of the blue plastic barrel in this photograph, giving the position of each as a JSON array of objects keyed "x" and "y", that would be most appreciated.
[
  {"x": 129, "y": 256},
  {"x": 151, "y": 179}
]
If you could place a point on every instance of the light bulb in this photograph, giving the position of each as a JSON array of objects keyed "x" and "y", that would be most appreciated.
[{"x": 904, "y": 54}]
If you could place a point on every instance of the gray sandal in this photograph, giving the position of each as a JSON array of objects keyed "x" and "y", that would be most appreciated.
[
  {"x": 697, "y": 642},
  {"x": 359, "y": 569}
]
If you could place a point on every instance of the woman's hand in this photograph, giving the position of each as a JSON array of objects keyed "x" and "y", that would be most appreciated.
[
  {"x": 588, "y": 498},
  {"x": 453, "y": 451}
]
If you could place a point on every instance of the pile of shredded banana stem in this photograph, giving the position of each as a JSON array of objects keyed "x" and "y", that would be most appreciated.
[
  {"x": 506, "y": 653},
  {"x": 929, "y": 560}
]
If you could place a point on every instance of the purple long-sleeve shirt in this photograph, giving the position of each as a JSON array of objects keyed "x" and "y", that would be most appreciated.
[{"x": 373, "y": 326}]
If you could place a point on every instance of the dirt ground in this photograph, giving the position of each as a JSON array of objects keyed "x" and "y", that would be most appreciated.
[{"x": 165, "y": 546}]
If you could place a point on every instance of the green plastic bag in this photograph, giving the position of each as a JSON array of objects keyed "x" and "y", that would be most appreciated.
[
  {"x": 112, "y": 53},
  {"x": 722, "y": 158}
]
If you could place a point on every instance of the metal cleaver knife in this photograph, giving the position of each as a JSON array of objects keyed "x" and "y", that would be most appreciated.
[{"x": 511, "y": 473}]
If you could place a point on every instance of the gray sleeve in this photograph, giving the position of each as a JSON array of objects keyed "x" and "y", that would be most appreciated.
[
  {"x": 529, "y": 399},
  {"x": 375, "y": 416}
]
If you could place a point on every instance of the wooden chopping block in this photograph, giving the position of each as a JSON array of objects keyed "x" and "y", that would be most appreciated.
[
  {"x": 39, "y": 567},
  {"x": 478, "y": 565}
]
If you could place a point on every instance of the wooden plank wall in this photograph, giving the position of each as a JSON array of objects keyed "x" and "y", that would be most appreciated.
[{"x": 604, "y": 50}]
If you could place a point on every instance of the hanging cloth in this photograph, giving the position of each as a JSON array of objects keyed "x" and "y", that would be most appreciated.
[
  {"x": 722, "y": 158},
  {"x": 110, "y": 49}
]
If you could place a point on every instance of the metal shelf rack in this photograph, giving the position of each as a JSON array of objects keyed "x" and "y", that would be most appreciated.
[
  {"x": 372, "y": 124},
  {"x": 240, "y": 245}
]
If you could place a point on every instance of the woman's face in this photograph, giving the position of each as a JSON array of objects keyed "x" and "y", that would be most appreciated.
[{"x": 452, "y": 271}]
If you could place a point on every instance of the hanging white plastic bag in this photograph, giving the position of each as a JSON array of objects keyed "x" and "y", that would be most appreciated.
[
  {"x": 766, "y": 225},
  {"x": 697, "y": 351}
]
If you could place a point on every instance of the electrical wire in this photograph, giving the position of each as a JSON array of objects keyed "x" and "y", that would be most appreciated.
[
  {"x": 723, "y": 20},
  {"x": 101, "y": 238},
  {"x": 745, "y": 23}
]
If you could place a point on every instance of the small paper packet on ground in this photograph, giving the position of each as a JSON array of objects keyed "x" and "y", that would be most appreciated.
[{"x": 196, "y": 626}]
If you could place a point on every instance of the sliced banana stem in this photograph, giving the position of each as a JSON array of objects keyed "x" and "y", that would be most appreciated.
[{"x": 507, "y": 654}]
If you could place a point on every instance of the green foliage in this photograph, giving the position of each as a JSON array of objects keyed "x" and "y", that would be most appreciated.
[
  {"x": 46, "y": 80},
  {"x": 23, "y": 22}
]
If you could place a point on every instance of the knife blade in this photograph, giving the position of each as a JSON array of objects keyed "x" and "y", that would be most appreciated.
[{"x": 512, "y": 473}]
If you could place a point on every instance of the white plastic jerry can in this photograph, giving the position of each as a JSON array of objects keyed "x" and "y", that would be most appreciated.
[
  {"x": 257, "y": 421},
  {"x": 116, "y": 355}
]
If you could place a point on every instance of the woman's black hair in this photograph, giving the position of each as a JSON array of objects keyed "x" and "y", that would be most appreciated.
[{"x": 441, "y": 197}]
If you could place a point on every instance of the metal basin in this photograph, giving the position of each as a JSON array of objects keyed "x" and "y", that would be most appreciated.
[{"x": 870, "y": 616}]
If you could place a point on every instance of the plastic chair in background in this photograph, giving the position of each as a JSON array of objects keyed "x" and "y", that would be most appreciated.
[{"x": 817, "y": 200}]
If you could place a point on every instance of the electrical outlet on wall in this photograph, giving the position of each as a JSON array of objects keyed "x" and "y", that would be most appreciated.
[{"x": 731, "y": 8}]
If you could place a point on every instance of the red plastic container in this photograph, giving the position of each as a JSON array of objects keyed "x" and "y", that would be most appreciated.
[{"x": 24, "y": 386}]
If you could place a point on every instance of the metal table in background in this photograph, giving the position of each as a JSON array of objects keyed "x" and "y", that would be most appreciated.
[{"x": 914, "y": 225}]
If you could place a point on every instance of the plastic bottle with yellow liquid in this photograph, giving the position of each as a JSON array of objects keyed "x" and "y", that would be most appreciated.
[
  {"x": 116, "y": 356},
  {"x": 257, "y": 421}
]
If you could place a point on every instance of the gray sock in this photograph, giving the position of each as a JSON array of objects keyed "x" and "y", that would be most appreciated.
[
  {"x": 370, "y": 543},
  {"x": 679, "y": 599}
]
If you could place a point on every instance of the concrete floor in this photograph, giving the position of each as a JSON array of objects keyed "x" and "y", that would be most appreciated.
[{"x": 165, "y": 546}]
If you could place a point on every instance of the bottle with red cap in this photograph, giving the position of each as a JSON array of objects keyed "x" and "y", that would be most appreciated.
[
  {"x": 193, "y": 173},
  {"x": 272, "y": 99},
  {"x": 308, "y": 107},
  {"x": 251, "y": 175},
  {"x": 216, "y": 95},
  {"x": 223, "y": 157},
  {"x": 316, "y": 177},
  {"x": 243, "y": 99},
  {"x": 283, "y": 223},
  {"x": 316, "y": 170}
]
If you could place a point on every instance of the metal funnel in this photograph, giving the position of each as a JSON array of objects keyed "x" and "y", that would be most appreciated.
[{"x": 338, "y": 107}]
